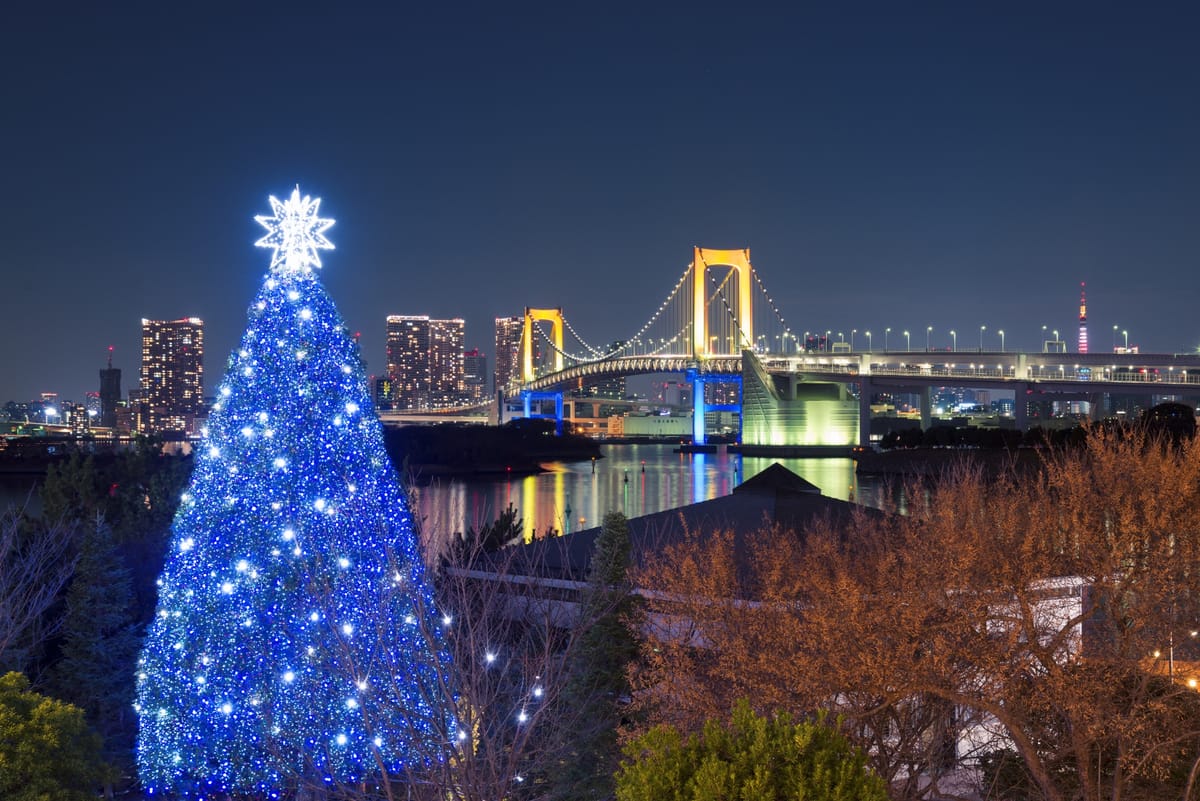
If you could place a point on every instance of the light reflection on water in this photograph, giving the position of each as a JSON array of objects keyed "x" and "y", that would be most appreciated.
[
  {"x": 634, "y": 479},
  {"x": 569, "y": 496}
]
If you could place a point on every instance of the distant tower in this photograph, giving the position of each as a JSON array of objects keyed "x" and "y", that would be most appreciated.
[
  {"x": 110, "y": 393},
  {"x": 1082, "y": 318}
]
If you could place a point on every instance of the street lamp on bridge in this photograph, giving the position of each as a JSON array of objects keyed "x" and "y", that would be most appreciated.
[
  {"x": 982, "y": 328},
  {"x": 953, "y": 340},
  {"x": 1001, "y": 333},
  {"x": 1044, "y": 340},
  {"x": 907, "y": 342},
  {"x": 886, "y": 331},
  {"x": 853, "y": 331},
  {"x": 928, "y": 331},
  {"x": 869, "y": 340},
  {"x": 1115, "y": 329},
  {"x": 1126, "y": 335}
]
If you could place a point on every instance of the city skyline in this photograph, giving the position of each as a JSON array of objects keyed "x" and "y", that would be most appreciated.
[{"x": 957, "y": 168}]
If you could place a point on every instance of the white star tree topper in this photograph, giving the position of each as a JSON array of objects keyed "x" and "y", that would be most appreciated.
[{"x": 295, "y": 233}]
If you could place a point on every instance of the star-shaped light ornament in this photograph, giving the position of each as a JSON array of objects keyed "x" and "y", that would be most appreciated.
[{"x": 295, "y": 233}]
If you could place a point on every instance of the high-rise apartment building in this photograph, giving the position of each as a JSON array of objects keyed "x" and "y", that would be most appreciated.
[
  {"x": 475, "y": 376},
  {"x": 446, "y": 382},
  {"x": 508, "y": 351},
  {"x": 172, "y": 385},
  {"x": 425, "y": 361},
  {"x": 408, "y": 360}
]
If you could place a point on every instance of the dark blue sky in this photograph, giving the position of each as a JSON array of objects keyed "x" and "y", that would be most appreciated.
[{"x": 898, "y": 164}]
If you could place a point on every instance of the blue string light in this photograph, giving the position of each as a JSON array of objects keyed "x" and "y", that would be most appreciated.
[{"x": 290, "y": 641}]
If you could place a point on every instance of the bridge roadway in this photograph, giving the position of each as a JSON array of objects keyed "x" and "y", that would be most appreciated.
[
  {"x": 1070, "y": 376},
  {"x": 1055, "y": 372}
]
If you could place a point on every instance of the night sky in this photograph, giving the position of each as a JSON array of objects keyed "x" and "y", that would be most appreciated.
[{"x": 900, "y": 164}]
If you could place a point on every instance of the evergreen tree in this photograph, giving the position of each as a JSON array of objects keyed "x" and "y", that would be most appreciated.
[
  {"x": 597, "y": 689},
  {"x": 287, "y": 647},
  {"x": 100, "y": 647},
  {"x": 750, "y": 758},
  {"x": 46, "y": 749}
]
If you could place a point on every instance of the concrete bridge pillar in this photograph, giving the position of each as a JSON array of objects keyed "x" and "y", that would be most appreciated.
[
  {"x": 866, "y": 390},
  {"x": 1021, "y": 405}
]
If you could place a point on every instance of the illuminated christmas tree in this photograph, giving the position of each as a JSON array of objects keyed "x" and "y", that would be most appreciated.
[{"x": 291, "y": 642}]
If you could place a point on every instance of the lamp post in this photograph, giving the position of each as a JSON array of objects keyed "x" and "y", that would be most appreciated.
[
  {"x": 828, "y": 334},
  {"x": 982, "y": 328},
  {"x": 907, "y": 342},
  {"x": 853, "y": 331},
  {"x": 1126, "y": 335},
  {"x": 1001, "y": 333},
  {"x": 953, "y": 340},
  {"x": 1044, "y": 340},
  {"x": 1115, "y": 329},
  {"x": 869, "y": 340},
  {"x": 886, "y": 331},
  {"x": 928, "y": 331}
]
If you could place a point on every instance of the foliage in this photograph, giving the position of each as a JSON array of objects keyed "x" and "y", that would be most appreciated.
[
  {"x": 136, "y": 491},
  {"x": 47, "y": 752},
  {"x": 100, "y": 647},
  {"x": 1032, "y": 612},
  {"x": 505, "y": 530},
  {"x": 597, "y": 687},
  {"x": 751, "y": 759}
]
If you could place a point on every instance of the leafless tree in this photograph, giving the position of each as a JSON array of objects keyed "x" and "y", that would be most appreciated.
[
  {"x": 37, "y": 560},
  {"x": 1051, "y": 616}
]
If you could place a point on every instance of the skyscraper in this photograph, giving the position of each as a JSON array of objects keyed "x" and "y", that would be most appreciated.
[
  {"x": 408, "y": 360},
  {"x": 173, "y": 374},
  {"x": 508, "y": 351},
  {"x": 110, "y": 393},
  {"x": 446, "y": 386},
  {"x": 475, "y": 376},
  {"x": 425, "y": 361}
]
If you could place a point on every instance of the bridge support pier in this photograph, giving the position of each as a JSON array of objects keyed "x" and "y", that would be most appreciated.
[
  {"x": 700, "y": 406},
  {"x": 1021, "y": 405},
  {"x": 529, "y": 396},
  {"x": 926, "y": 408},
  {"x": 865, "y": 390}
]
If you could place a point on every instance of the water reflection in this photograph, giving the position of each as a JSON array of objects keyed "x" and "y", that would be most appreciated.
[{"x": 634, "y": 479}]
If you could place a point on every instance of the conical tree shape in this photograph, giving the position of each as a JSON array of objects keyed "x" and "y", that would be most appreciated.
[{"x": 288, "y": 643}]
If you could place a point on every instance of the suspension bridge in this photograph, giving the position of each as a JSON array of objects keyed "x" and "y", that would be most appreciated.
[{"x": 720, "y": 325}]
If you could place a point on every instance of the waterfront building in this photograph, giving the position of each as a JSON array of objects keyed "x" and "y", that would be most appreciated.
[
  {"x": 408, "y": 360},
  {"x": 446, "y": 378},
  {"x": 475, "y": 376},
  {"x": 425, "y": 361},
  {"x": 508, "y": 352},
  {"x": 172, "y": 379}
]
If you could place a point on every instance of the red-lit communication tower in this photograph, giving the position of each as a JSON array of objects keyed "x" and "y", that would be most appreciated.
[{"x": 1082, "y": 318}]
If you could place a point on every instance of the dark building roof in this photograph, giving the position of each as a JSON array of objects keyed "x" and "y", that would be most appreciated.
[{"x": 776, "y": 497}]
